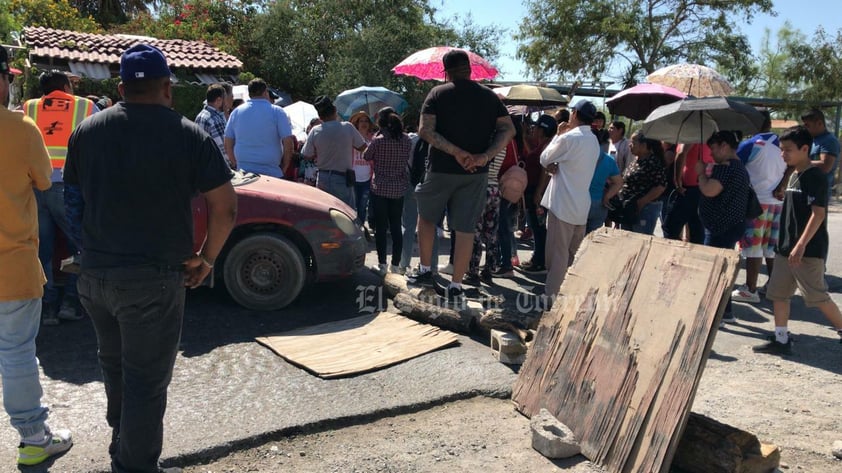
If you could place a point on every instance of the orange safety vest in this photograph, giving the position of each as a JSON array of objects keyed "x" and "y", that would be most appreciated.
[{"x": 57, "y": 114}]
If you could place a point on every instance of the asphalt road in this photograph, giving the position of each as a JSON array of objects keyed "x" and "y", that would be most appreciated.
[{"x": 229, "y": 392}]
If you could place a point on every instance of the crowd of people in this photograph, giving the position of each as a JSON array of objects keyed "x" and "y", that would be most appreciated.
[{"x": 472, "y": 164}]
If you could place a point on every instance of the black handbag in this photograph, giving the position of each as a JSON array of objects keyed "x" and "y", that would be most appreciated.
[
  {"x": 623, "y": 212},
  {"x": 753, "y": 209}
]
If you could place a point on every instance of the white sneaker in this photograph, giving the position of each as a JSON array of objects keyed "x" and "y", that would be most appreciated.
[
  {"x": 446, "y": 269},
  {"x": 55, "y": 442},
  {"x": 742, "y": 294}
]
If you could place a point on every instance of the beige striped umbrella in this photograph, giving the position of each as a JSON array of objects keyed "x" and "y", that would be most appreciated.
[{"x": 692, "y": 79}]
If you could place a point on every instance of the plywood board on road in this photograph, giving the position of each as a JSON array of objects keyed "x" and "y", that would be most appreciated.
[
  {"x": 620, "y": 355},
  {"x": 357, "y": 345}
]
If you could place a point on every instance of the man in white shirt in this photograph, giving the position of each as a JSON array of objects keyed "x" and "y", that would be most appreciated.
[{"x": 570, "y": 158}]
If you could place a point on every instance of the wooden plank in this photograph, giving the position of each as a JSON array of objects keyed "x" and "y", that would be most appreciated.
[
  {"x": 708, "y": 446},
  {"x": 357, "y": 345},
  {"x": 619, "y": 357}
]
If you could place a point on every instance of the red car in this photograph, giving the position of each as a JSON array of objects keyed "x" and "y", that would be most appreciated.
[{"x": 287, "y": 234}]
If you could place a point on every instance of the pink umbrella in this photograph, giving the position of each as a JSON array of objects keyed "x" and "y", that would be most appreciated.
[
  {"x": 426, "y": 65},
  {"x": 638, "y": 102}
]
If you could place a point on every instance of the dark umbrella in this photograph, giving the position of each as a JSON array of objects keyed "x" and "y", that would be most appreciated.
[
  {"x": 639, "y": 101},
  {"x": 693, "y": 120},
  {"x": 531, "y": 95}
]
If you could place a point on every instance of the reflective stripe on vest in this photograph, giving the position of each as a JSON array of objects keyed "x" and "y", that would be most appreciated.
[{"x": 57, "y": 115}]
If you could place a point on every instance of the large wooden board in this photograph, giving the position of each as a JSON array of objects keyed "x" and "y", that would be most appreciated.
[
  {"x": 357, "y": 345},
  {"x": 620, "y": 355}
]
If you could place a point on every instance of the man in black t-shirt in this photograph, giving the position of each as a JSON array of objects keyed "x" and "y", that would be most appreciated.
[
  {"x": 131, "y": 173},
  {"x": 466, "y": 125},
  {"x": 802, "y": 243}
]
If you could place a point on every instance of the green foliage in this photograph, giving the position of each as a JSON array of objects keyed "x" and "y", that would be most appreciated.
[
  {"x": 7, "y": 22},
  {"x": 767, "y": 77},
  {"x": 58, "y": 14},
  {"x": 113, "y": 12},
  {"x": 187, "y": 98},
  {"x": 815, "y": 69},
  {"x": 224, "y": 24},
  {"x": 322, "y": 47},
  {"x": 584, "y": 38}
]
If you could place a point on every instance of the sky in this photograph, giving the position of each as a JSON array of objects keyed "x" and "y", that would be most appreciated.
[{"x": 803, "y": 15}]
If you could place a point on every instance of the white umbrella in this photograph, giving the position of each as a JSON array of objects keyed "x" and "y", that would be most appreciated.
[
  {"x": 300, "y": 113},
  {"x": 692, "y": 79}
]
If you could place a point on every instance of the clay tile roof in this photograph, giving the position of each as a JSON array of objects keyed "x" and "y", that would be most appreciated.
[{"x": 106, "y": 49}]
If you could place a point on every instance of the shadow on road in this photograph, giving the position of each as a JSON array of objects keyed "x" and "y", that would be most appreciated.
[
  {"x": 817, "y": 351},
  {"x": 67, "y": 352}
]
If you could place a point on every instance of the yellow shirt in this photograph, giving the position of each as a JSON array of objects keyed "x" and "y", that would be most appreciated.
[{"x": 25, "y": 163}]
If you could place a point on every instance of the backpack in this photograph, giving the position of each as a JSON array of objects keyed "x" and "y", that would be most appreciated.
[
  {"x": 418, "y": 167},
  {"x": 513, "y": 183}
]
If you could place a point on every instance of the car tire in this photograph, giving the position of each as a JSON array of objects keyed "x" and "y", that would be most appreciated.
[{"x": 264, "y": 271}]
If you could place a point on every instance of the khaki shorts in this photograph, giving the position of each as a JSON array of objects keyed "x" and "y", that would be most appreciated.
[
  {"x": 463, "y": 195},
  {"x": 808, "y": 278}
]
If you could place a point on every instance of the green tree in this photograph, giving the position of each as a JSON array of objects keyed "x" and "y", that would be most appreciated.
[
  {"x": 58, "y": 14},
  {"x": 767, "y": 78},
  {"x": 585, "y": 38},
  {"x": 814, "y": 69},
  {"x": 111, "y": 12},
  {"x": 223, "y": 24},
  {"x": 7, "y": 22},
  {"x": 314, "y": 47}
]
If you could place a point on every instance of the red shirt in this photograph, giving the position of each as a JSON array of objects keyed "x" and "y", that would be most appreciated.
[
  {"x": 532, "y": 163},
  {"x": 689, "y": 176}
]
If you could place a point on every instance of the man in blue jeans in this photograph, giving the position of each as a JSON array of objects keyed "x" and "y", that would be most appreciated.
[
  {"x": 25, "y": 164},
  {"x": 133, "y": 195},
  {"x": 57, "y": 113}
]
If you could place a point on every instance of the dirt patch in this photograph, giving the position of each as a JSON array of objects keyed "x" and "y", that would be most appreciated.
[{"x": 479, "y": 434}]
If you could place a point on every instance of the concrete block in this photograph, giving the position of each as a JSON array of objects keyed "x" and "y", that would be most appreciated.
[
  {"x": 552, "y": 438},
  {"x": 473, "y": 309},
  {"x": 507, "y": 348}
]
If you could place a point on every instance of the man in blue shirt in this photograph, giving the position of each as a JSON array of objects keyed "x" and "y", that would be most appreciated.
[
  {"x": 825, "y": 150},
  {"x": 258, "y": 137}
]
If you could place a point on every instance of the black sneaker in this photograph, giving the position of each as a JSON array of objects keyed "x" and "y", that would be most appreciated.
[
  {"x": 424, "y": 279},
  {"x": 455, "y": 296},
  {"x": 774, "y": 347},
  {"x": 534, "y": 268},
  {"x": 503, "y": 273},
  {"x": 486, "y": 276},
  {"x": 471, "y": 279}
]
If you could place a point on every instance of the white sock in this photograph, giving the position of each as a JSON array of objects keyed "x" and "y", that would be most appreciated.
[
  {"x": 35, "y": 438},
  {"x": 781, "y": 334},
  {"x": 454, "y": 285},
  {"x": 423, "y": 269}
]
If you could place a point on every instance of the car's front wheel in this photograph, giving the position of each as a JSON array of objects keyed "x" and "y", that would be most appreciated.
[{"x": 264, "y": 271}]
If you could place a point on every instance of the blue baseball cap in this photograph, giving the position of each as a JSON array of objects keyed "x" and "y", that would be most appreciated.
[
  {"x": 143, "y": 61},
  {"x": 585, "y": 109}
]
